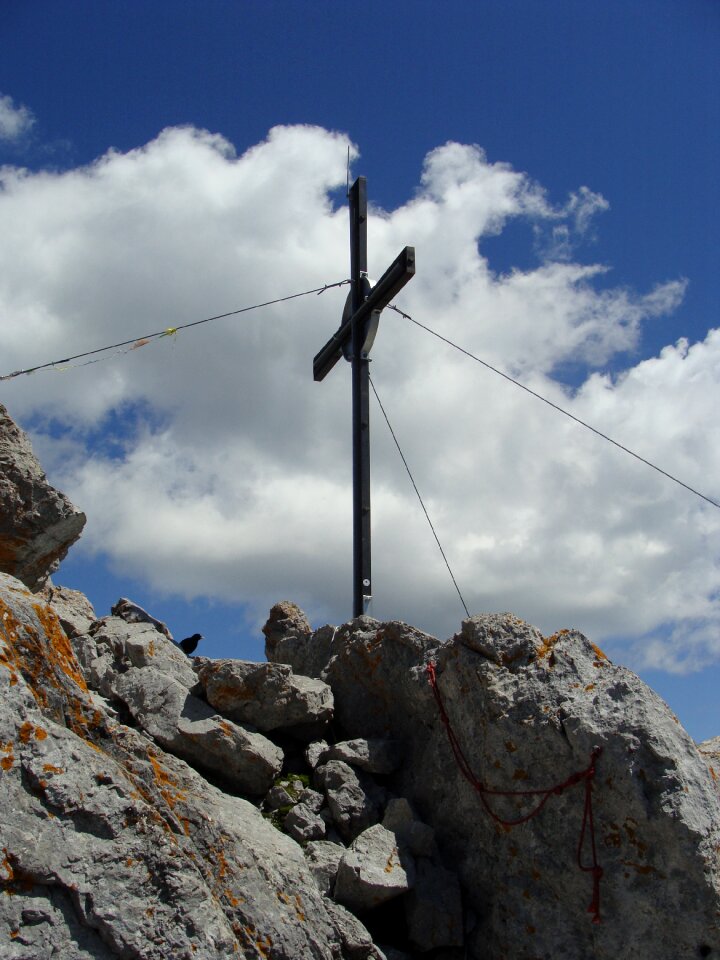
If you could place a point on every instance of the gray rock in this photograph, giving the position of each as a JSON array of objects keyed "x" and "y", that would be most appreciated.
[
  {"x": 527, "y": 711},
  {"x": 433, "y": 908},
  {"x": 312, "y": 799},
  {"x": 191, "y": 729},
  {"x": 373, "y": 756},
  {"x": 316, "y": 752},
  {"x": 112, "y": 847},
  {"x": 417, "y": 837},
  {"x": 302, "y": 824},
  {"x": 38, "y": 524},
  {"x": 278, "y": 798},
  {"x": 323, "y": 858},
  {"x": 267, "y": 695},
  {"x": 73, "y": 609},
  {"x": 354, "y": 803},
  {"x": 121, "y": 644},
  {"x": 373, "y": 870},
  {"x": 356, "y": 941},
  {"x": 130, "y": 612}
]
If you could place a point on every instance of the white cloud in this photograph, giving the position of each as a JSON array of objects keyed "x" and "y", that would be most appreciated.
[
  {"x": 231, "y": 472},
  {"x": 15, "y": 122}
]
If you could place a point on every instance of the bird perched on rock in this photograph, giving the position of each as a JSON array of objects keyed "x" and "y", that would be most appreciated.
[{"x": 190, "y": 643}]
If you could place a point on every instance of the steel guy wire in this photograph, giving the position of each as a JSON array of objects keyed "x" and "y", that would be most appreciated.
[
  {"x": 555, "y": 406},
  {"x": 168, "y": 331},
  {"x": 422, "y": 504}
]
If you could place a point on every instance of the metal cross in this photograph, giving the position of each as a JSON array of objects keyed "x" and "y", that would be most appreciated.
[{"x": 353, "y": 340}]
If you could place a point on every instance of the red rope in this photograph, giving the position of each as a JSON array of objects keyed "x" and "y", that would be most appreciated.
[{"x": 585, "y": 776}]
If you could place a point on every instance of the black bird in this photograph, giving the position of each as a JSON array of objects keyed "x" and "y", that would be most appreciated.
[{"x": 189, "y": 643}]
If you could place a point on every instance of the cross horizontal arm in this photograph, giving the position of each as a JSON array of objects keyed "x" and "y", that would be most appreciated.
[{"x": 392, "y": 281}]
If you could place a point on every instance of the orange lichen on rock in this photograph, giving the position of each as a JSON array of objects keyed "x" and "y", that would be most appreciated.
[{"x": 546, "y": 648}]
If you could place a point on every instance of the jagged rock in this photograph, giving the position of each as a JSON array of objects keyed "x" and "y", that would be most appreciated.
[
  {"x": 417, "y": 837},
  {"x": 371, "y": 667},
  {"x": 267, "y": 695},
  {"x": 312, "y": 799},
  {"x": 354, "y": 802},
  {"x": 316, "y": 752},
  {"x": 74, "y": 610},
  {"x": 323, "y": 858},
  {"x": 357, "y": 942},
  {"x": 373, "y": 870},
  {"x": 132, "y": 613},
  {"x": 38, "y": 524},
  {"x": 373, "y": 756},
  {"x": 433, "y": 908},
  {"x": 112, "y": 847},
  {"x": 191, "y": 729},
  {"x": 122, "y": 644},
  {"x": 302, "y": 824},
  {"x": 278, "y": 798},
  {"x": 527, "y": 712}
]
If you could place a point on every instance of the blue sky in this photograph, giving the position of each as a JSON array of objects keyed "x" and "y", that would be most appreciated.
[{"x": 586, "y": 137}]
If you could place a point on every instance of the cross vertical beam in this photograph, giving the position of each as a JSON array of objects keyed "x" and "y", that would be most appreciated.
[
  {"x": 362, "y": 576},
  {"x": 353, "y": 339}
]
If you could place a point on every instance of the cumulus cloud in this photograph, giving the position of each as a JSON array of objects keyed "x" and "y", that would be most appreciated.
[
  {"x": 212, "y": 465},
  {"x": 15, "y": 121}
]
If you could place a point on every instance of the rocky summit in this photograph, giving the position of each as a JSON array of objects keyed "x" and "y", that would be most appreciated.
[{"x": 367, "y": 792}]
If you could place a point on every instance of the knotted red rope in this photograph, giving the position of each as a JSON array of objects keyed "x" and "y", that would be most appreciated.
[{"x": 585, "y": 776}]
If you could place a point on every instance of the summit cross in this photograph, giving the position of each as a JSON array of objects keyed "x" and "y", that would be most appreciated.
[{"x": 353, "y": 340}]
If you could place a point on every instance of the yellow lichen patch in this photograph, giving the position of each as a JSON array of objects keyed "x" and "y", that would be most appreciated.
[
  {"x": 599, "y": 655},
  {"x": 392, "y": 862},
  {"x": 28, "y": 730},
  {"x": 299, "y": 912},
  {"x": 6, "y": 762},
  {"x": 6, "y": 865},
  {"x": 589, "y": 687},
  {"x": 14, "y": 934},
  {"x": 61, "y": 653},
  {"x": 546, "y": 648},
  {"x": 151, "y": 649},
  {"x": 166, "y": 783},
  {"x": 712, "y": 773}
]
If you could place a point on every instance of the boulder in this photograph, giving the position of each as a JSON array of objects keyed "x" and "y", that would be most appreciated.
[
  {"x": 267, "y": 695},
  {"x": 354, "y": 801},
  {"x": 302, "y": 824},
  {"x": 38, "y": 524},
  {"x": 130, "y": 612},
  {"x": 373, "y": 870},
  {"x": 433, "y": 908},
  {"x": 526, "y": 713},
  {"x": 373, "y": 756},
  {"x": 74, "y": 610},
  {"x": 112, "y": 847},
  {"x": 323, "y": 858}
]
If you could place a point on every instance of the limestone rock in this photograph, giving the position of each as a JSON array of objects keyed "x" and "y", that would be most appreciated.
[
  {"x": 267, "y": 695},
  {"x": 191, "y": 729},
  {"x": 130, "y": 612},
  {"x": 138, "y": 644},
  {"x": 323, "y": 858},
  {"x": 527, "y": 711},
  {"x": 434, "y": 908},
  {"x": 74, "y": 610},
  {"x": 373, "y": 756},
  {"x": 373, "y": 871},
  {"x": 38, "y": 524},
  {"x": 113, "y": 847},
  {"x": 357, "y": 942},
  {"x": 302, "y": 824},
  {"x": 353, "y": 801}
]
